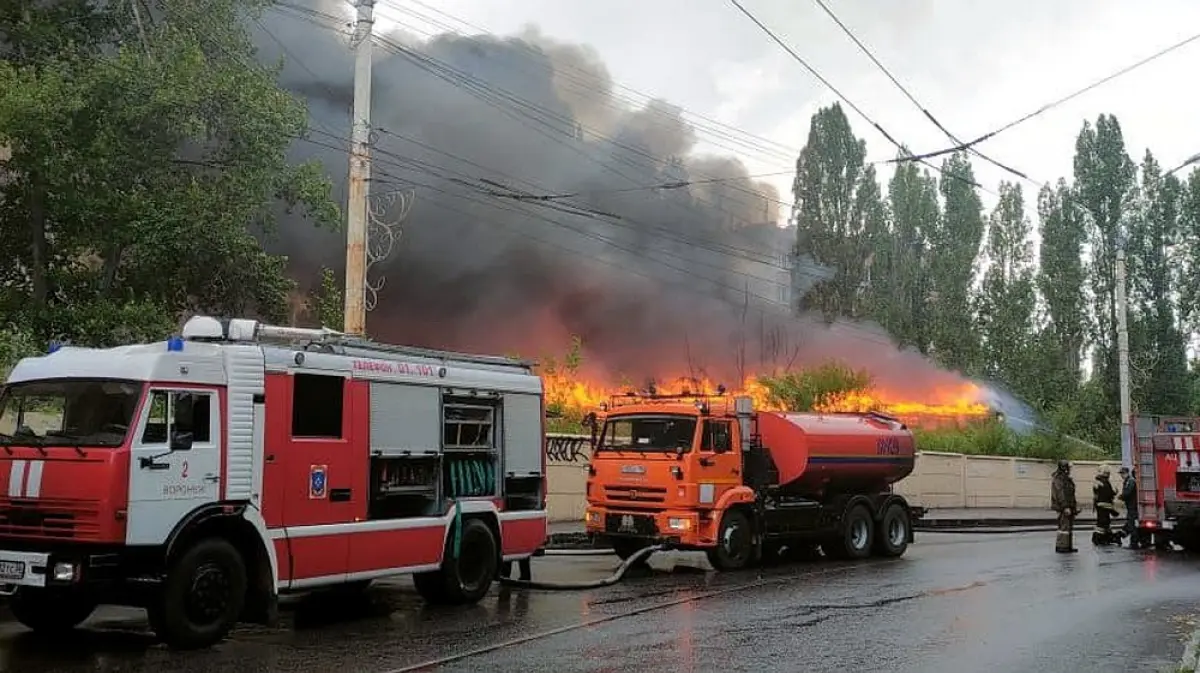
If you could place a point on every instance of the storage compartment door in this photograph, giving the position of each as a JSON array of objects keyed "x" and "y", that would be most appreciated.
[
  {"x": 405, "y": 419},
  {"x": 522, "y": 434}
]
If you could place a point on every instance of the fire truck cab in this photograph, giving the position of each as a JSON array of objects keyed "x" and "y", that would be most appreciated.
[
  {"x": 1166, "y": 455},
  {"x": 203, "y": 476}
]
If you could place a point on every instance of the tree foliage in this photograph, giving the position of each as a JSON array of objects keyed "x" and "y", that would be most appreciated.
[
  {"x": 808, "y": 389},
  {"x": 972, "y": 292},
  {"x": 148, "y": 157}
]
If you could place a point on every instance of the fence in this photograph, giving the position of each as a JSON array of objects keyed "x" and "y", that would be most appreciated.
[{"x": 946, "y": 480}]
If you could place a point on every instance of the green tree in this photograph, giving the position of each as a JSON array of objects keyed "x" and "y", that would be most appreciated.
[
  {"x": 144, "y": 153},
  {"x": 954, "y": 246},
  {"x": 1006, "y": 301},
  {"x": 1104, "y": 178},
  {"x": 1157, "y": 343},
  {"x": 900, "y": 273},
  {"x": 839, "y": 212},
  {"x": 327, "y": 301},
  {"x": 1060, "y": 280}
]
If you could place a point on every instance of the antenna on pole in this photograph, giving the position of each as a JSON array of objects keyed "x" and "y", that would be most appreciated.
[{"x": 357, "y": 211}]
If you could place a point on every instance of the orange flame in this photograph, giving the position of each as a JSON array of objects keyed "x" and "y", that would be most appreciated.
[{"x": 952, "y": 404}]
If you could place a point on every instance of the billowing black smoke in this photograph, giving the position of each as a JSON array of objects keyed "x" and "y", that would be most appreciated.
[{"x": 657, "y": 282}]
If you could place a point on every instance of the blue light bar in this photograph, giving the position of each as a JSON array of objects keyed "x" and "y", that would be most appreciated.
[
  {"x": 54, "y": 346},
  {"x": 175, "y": 344}
]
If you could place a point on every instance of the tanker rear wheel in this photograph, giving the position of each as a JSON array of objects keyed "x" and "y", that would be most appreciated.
[
  {"x": 855, "y": 538},
  {"x": 892, "y": 537},
  {"x": 735, "y": 542}
]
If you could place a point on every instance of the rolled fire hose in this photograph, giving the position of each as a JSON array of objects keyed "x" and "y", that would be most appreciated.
[{"x": 595, "y": 584}]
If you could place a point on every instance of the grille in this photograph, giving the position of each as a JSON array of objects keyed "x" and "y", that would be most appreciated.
[
  {"x": 49, "y": 518},
  {"x": 630, "y": 524},
  {"x": 635, "y": 494}
]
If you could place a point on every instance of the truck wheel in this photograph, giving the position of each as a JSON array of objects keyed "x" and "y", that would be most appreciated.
[
  {"x": 201, "y": 597},
  {"x": 465, "y": 579},
  {"x": 892, "y": 537},
  {"x": 735, "y": 542},
  {"x": 49, "y": 610},
  {"x": 856, "y": 538}
]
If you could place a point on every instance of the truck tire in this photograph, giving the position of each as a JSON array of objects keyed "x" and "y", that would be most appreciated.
[
  {"x": 465, "y": 579},
  {"x": 855, "y": 538},
  {"x": 50, "y": 611},
  {"x": 735, "y": 542},
  {"x": 201, "y": 597},
  {"x": 891, "y": 539}
]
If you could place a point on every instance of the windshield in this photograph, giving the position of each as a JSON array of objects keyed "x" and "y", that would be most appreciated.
[
  {"x": 648, "y": 433},
  {"x": 68, "y": 412}
]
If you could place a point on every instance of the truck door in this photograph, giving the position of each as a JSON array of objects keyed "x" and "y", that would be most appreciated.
[
  {"x": 175, "y": 463},
  {"x": 718, "y": 466}
]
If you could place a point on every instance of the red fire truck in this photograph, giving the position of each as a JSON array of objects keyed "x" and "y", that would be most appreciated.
[
  {"x": 203, "y": 476},
  {"x": 1166, "y": 459}
]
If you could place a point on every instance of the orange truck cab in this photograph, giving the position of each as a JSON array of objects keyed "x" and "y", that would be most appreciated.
[{"x": 714, "y": 474}]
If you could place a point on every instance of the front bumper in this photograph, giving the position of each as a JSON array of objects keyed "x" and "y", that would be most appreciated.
[
  {"x": 24, "y": 569},
  {"x": 680, "y": 528}
]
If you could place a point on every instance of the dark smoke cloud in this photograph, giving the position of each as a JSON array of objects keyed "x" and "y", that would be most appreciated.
[{"x": 679, "y": 280}]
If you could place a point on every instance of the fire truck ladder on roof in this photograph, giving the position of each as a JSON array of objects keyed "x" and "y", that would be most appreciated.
[{"x": 205, "y": 328}]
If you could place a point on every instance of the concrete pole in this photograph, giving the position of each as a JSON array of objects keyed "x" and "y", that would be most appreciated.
[
  {"x": 360, "y": 174},
  {"x": 1123, "y": 358}
]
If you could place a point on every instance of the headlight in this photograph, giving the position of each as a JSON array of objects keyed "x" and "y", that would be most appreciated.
[
  {"x": 592, "y": 517},
  {"x": 64, "y": 572},
  {"x": 679, "y": 524}
]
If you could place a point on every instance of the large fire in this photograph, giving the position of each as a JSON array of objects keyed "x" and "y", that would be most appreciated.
[{"x": 937, "y": 407}]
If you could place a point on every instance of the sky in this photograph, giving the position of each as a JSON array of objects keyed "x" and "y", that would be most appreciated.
[{"x": 975, "y": 65}]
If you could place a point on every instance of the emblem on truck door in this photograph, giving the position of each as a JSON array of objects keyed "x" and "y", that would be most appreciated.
[{"x": 633, "y": 469}]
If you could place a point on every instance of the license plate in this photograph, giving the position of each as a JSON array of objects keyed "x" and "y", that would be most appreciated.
[{"x": 12, "y": 570}]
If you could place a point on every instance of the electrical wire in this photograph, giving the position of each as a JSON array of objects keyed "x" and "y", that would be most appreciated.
[
  {"x": 1053, "y": 104},
  {"x": 586, "y": 85},
  {"x": 853, "y": 106},
  {"x": 904, "y": 90}
]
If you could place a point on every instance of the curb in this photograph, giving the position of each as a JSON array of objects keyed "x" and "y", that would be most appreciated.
[
  {"x": 931, "y": 524},
  {"x": 580, "y": 539},
  {"x": 1190, "y": 660}
]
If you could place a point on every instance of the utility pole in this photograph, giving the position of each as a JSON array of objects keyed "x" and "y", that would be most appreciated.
[
  {"x": 360, "y": 173},
  {"x": 1123, "y": 355}
]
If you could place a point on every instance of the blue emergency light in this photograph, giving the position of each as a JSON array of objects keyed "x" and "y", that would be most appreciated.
[
  {"x": 175, "y": 344},
  {"x": 54, "y": 346}
]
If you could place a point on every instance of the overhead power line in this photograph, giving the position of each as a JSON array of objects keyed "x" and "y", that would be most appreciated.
[
  {"x": 878, "y": 127},
  {"x": 1051, "y": 105},
  {"x": 584, "y": 83},
  {"x": 904, "y": 90}
]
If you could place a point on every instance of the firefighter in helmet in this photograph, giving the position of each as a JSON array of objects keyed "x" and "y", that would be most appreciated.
[
  {"x": 1062, "y": 501},
  {"x": 1103, "y": 495}
]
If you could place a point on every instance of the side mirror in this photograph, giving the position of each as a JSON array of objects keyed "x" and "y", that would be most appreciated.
[{"x": 181, "y": 441}]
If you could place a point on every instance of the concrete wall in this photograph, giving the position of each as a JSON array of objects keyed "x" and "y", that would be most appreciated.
[{"x": 939, "y": 480}]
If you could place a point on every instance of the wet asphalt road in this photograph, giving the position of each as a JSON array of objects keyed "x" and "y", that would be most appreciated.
[{"x": 954, "y": 603}]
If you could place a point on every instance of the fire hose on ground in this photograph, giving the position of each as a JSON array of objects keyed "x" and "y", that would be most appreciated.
[{"x": 633, "y": 560}]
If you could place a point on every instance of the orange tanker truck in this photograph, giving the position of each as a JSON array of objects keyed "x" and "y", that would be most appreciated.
[{"x": 716, "y": 475}]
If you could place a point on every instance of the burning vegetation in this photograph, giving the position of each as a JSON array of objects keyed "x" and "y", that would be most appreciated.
[{"x": 830, "y": 387}]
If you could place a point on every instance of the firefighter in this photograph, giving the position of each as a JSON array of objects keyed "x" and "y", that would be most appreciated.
[
  {"x": 1062, "y": 500},
  {"x": 1129, "y": 500},
  {"x": 1103, "y": 495}
]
